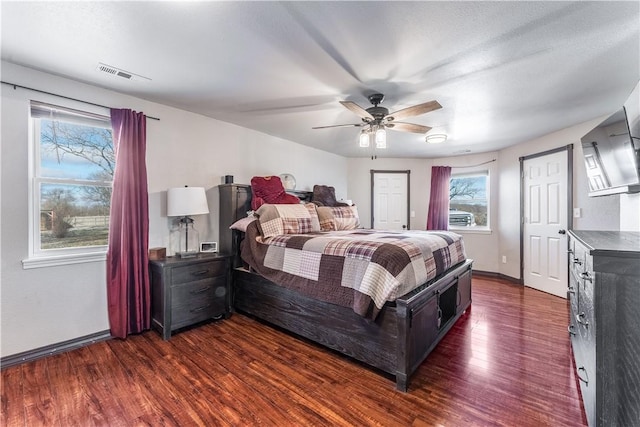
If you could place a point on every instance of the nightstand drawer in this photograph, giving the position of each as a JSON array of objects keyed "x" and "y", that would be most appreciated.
[
  {"x": 197, "y": 301},
  {"x": 190, "y": 273},
  {"x": 192, "y": 293}
]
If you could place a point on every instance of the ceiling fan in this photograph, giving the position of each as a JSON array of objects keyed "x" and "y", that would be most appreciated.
[{"x": 375, "y": 120}]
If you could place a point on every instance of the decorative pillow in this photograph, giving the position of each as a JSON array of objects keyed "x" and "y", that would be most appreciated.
[
  {"x": 243, "y": 223},
  {"x": 338, "y": 218},
  {"x": 287, "y": 219},
  {"x": 324, "y": 195},
  {"x": 269, "y": 189}
]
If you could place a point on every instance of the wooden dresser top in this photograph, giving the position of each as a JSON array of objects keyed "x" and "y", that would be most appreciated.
[{"x": 610, "y": 243}]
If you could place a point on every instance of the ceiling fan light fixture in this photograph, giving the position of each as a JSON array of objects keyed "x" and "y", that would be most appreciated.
[
  {"x": 376, "y": 119},
  {"x": 364, "y": 139},
  {"x": 381, "y": 137},
  {"x": 436, "y": 138}
]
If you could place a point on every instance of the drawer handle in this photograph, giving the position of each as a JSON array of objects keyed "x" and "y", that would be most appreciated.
[
  {"x": 570, "y": 251},
  {"x": 577, "y": 261},
  {"x": 580, "y": 318},
  {"x": 587, "y": 276},
  {"x": 199, "y": 309},
  {"x": 200, "y": 273},
  {"x": 583, "y": 369},
  {"x": 570, "y": 330},
  {"x": 200, "y": 291},
  {"x": 572, "y": 290}
]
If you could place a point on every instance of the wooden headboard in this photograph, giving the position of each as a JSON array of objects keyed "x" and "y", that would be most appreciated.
[
  {"x": 235, "y": 202},
  {"x": 305, "y": 196}
]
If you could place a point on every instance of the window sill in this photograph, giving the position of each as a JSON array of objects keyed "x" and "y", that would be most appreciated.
[
  {"x": 67, "y": 259},
  {"x": 470, "y": 230}
]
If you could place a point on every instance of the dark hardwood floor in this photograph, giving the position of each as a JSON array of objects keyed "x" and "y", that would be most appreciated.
[{"x": 505, "y": 363}]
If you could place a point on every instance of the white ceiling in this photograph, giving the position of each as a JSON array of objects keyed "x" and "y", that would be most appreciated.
[{"x": 504, "y": 72}]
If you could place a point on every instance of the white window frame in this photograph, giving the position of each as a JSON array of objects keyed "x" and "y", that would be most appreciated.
[
  {"x": 477, "y": 229},
  {"x": 38, "y": 257}
]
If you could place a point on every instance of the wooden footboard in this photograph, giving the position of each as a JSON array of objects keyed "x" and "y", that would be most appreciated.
[{"x": 397, "y": 342}]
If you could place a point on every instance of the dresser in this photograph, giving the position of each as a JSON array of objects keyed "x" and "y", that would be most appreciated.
[
  {"x": 185, "y": 291},
  {"x": 604, "y": 324}
]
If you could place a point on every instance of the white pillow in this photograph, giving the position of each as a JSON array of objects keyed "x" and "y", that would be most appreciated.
[{"x": 243, "y": 223}]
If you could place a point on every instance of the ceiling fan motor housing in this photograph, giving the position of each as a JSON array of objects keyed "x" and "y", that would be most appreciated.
[
  {"x": 378, "y": 112},
  {"x": 376, "y": 98}
]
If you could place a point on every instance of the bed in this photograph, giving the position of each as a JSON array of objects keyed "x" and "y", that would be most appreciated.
[{"x": 394, "y": 336}]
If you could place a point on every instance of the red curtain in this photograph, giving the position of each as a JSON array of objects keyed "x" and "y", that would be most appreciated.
[
  {"x": 128, "y": 291},
  {"x": 438, "y": 218}
]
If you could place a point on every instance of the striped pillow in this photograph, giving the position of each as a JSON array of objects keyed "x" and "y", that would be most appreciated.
[
  {"x": 338, "y": 218},
  {"x": 275, "y": 220}
]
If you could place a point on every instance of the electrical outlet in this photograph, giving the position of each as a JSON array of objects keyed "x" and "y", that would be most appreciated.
[{"x": 504, "y": 259}]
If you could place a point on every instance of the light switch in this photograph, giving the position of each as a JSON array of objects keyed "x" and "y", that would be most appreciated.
[
  {"x": 577, "y": 212},
  {"x": 413, "y": 214}
]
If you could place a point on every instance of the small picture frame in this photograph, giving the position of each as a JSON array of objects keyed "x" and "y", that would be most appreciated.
[{"x": 208, "y": 247}]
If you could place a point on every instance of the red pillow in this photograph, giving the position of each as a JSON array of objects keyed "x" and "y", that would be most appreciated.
[{"x": 269, "y": 189}]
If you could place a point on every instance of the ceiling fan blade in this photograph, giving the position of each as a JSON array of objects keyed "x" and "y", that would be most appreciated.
[
  {"x": 408, "y": 127},
  {"x": 416, "y": 110},
  {"x": 358, "y": 110},
  {"x": 337, "y": 126}
]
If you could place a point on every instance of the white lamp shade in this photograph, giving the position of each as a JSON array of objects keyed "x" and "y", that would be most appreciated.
[
  {"x": 381, "y": 138},
  {"x": 185, "y": 201},
  {"x": 364, "y": 139}
]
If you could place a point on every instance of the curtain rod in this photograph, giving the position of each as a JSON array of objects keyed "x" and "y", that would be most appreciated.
[
  {"x": 15, "y": 86},
  {"x": 474, "y": 166}
]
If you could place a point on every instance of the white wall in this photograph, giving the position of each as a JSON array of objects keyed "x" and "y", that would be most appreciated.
[
  {"x": 630, "y": 212},
  {"x": 597, "y": 212},
  {"x": 359, "y": 179},
  {"x": 50, "y": 305},
  {"x": 45, "y": 306},
  {"x": 614, "y": 212},
  {"x": 482, "y": 247},
  {"x": 190, "y": 149}
]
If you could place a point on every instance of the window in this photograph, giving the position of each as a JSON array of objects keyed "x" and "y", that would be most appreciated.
[
  {"x": 469, "y": 200},
  {"x": 72, "y": 175}
]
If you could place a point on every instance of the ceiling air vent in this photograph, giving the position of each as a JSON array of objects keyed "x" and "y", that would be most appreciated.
[{"x": 119, "y": 72}]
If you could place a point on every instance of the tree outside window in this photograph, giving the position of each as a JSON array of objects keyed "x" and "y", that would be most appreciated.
[
  {"x": 74, "y": 166},
  {"x": 468, "y": 200}
]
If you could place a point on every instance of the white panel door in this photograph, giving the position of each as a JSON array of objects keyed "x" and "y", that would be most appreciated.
[
  {"x": 545, "y": 223},
  {"x": 390, "y": 201}
]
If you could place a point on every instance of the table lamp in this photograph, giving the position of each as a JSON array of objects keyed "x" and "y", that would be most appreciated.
[{"x": 184, "y": 202}]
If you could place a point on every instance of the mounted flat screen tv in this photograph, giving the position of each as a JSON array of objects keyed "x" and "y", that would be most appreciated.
[
  {"x": 632, "y": 109},
  {"x": 611, "y": 157}
]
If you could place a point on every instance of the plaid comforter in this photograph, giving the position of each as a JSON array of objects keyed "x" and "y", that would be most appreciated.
[{"x": 372, "y": 266}]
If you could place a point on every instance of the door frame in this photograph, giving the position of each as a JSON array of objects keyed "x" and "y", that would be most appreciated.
[
  {"x": 408, "y": 173},
  {"x": 569, "y": 149}
]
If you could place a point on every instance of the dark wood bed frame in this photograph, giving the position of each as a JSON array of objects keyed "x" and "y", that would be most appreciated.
[{"x": 400, "y": 339}]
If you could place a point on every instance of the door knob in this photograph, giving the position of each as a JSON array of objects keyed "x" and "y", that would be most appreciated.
[{"x": 562, "y": 232}]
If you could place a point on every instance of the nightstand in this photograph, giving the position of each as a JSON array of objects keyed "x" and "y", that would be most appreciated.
[{"x": 185, "y": 291}]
